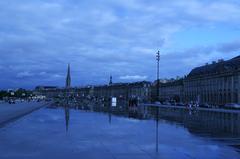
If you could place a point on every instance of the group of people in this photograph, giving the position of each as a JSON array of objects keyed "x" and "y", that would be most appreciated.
[{"x": 193, "y": 105}]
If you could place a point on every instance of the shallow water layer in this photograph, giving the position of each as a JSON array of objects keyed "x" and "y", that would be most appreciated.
[{"x": 68, "y": 133}]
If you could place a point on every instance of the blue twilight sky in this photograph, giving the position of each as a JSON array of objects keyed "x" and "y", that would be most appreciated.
[{"x": 38, "y": 38}]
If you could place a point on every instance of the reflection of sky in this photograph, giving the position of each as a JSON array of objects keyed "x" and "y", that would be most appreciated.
[
  {"x": 91, "y": 136},
  {"x": 118, "y": 37}
]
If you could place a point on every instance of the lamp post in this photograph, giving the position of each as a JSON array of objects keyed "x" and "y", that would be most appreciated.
[
  {"x": 157, "y": 108},
  {"x": 158, "y": 59}
]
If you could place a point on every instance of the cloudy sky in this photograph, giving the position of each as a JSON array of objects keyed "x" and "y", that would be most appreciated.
[{"x": 38, "y": 38}]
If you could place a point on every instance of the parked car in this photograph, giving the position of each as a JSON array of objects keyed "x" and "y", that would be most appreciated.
[{"x": 232, "y": 106}]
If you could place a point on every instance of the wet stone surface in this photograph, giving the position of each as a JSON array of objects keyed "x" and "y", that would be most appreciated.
[
  {"x": 68, "y": 133},
  {"x": 10, "y": 112}
]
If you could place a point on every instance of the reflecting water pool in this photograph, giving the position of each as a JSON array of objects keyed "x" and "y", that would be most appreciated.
[{"x": 72, "y": 133}]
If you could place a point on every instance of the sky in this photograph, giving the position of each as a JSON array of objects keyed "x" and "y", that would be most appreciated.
[{"x": 99, "y": 38}]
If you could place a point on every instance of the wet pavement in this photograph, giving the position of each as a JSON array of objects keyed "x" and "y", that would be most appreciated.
[
  {"x": 10, "y": 112},
  {"x": 68, "y": 133}
]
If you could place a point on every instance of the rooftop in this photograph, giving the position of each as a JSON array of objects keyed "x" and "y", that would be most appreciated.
[{"x": 218, "y": 67}]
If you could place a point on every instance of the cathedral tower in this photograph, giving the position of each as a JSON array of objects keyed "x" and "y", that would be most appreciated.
[{"x": 68, "y": 79}]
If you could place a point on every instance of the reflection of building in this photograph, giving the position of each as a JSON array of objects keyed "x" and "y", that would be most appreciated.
[
  {"x": 216, "y": 83},
  {"x": 67, "y": 116},
  {"x": 213, "y": 122}
]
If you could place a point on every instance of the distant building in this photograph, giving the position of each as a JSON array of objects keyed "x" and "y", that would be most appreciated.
[
  {"x": 48, "y": 91},
  {"x": 217, "y": 83},
  {"x": 172, "y": 91},
  {"x": 84, "y": 91},
  {"x": 46, "y": 88},
  {"x": 68, "y": 78},
  {"x": 140, "y": 90},
  {"x": 169, "y": 90}
]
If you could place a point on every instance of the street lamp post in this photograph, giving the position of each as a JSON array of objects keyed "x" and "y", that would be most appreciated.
[
  {"x": 157, "y": 108},
  {"x": 158, "y": 59}
]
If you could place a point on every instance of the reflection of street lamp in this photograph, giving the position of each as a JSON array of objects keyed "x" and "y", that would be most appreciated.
[
  {"x": 157, "y": 120},
  {"x": 158, "y": 59}
]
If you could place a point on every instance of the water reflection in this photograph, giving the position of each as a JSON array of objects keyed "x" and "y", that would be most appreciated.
[
  {"x": 132, "y": 113},
  {"x": 157, "y": 120},
  {"x": 93, "y": 137},
  {"x": 215, "y": 124},
  {"x": 219, "y": 123},
  {"x": 67, "y": 116},
  {"x": 110, "y": 115}
]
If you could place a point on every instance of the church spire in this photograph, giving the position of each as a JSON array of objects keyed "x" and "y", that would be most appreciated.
[
  {"x": 68, "y": 79},
  {"x": 110, "y": 80}
]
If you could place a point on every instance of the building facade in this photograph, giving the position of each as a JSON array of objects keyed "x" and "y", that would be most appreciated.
[
  {"x": 124, "y": 91},
  {"x": 48, "y": 91},
  {"x": 216, "y": 84},
  {"x": 172, "y": 91},
  {"x": 169, "y": 90}
]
